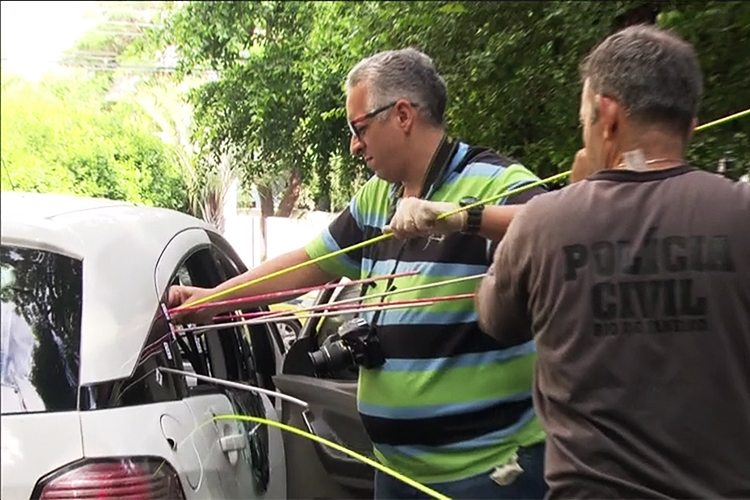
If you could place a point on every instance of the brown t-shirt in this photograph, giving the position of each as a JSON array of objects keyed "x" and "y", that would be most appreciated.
[{"x": 637, "y": 288}]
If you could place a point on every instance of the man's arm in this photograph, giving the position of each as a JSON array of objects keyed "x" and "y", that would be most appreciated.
[
  {"x": 310, "y": 275},
  {"x": 496, "y": 219},
  {"x": 502, "y": 298},
  {"x": 342, "y": 232},
  {"x": 581, "y": 168}
]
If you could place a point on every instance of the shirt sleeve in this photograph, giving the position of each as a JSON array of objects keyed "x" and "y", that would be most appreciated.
[
  {"x": 346, "y": 230},
  {"x": 503, "y": 295}
]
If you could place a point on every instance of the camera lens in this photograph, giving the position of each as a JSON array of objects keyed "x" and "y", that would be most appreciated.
[
  {"x": 319, "y": 359},
  {"x": 331, "y": 358}
]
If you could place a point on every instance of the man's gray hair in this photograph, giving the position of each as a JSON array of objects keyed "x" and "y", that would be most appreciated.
[
  {"x": 402, "y": 74},
  {"x": 652, "y": 73}
]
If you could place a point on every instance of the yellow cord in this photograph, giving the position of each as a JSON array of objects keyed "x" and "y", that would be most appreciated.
[
  {"x": 353, "y": 454},
  {"x": 385, "y": 236},
  {"x": 359, "y": 245},
  {"x": 284, "y": 271},
  {"x": 723, "y": 120},
  {"x": 511, "y": 192}
]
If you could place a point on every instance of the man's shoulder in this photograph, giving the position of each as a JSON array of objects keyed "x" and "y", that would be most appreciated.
[
  {"x": 486, "y": 162},
  {"x": 553, "y": 203},
  {"x": 488, "y": 156},
  {"x": 718, "y": 182},
  {"x": 374, "y": 188}
]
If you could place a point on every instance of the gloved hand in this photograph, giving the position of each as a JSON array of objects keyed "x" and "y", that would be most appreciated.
[{"x": 416, "y": 217}]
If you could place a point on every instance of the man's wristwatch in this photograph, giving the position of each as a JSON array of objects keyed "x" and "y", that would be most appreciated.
[{"x": 474, "y": 215}]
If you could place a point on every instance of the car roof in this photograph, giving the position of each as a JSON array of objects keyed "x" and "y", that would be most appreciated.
[
  {"x": 120, "y": 244},
  {"x": 48, "y": 205}
]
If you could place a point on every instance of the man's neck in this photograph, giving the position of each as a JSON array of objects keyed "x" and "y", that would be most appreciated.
[
  {"x": 657, "y": 150},
  {"x": 425, "y": 148}
]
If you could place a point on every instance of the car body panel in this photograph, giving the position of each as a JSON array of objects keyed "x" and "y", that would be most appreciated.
[
  {"x": 43, "y": 234},
  {"x": 34, "y": 444},
  {"x": 119, "y": 295}
]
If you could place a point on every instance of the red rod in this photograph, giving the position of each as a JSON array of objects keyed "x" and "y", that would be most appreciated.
[
  {"x": 285, "y": 293},
  {"x": 259, "y": 321},
  {"x": 354, "y": 306}
]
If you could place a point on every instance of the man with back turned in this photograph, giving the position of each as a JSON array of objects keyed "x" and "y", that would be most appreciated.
[{"x": 635, "y": 282}]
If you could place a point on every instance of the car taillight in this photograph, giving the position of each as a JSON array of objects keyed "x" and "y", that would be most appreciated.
[{"x": 121, "y": 478}]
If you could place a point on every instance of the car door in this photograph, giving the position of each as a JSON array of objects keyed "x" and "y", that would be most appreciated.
[
  {"x": 320, "y": 471},
  {"x": 238, "y": 453},
  {"x": 245, "y": 357}
]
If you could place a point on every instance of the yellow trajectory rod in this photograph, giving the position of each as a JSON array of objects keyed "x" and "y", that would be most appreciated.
[
  {"x": 385, "y": 236},
  {"x": 338, "y": 447}
]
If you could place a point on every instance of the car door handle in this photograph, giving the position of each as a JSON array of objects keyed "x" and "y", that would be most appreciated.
[{"x": 233, "y": 442}]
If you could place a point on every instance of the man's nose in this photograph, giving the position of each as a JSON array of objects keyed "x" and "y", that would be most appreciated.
[{"x": 355, "y": 146}]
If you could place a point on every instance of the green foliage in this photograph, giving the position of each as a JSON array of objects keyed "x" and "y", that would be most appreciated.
[
  {"x": 720, "y": 31},
  {"x": 257, "y": 108},
  {"x": 59, "y": 135},
  {"x": 511, "y": 68}
]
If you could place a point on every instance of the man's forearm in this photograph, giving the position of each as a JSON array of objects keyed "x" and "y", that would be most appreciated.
[
  {"x": 310, "y": 275},
  {"x": 496, "y": 219}
]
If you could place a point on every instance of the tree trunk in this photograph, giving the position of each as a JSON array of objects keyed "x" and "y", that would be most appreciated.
[
  {"x": 266, "y": 210},
  {"x": 291, "y": 194}
]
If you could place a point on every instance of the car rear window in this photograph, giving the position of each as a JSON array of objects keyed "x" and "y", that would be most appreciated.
[{"x": 41, "y": 295}]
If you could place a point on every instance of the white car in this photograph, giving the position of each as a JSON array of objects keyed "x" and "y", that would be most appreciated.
[{"x": 86, "y": 410}]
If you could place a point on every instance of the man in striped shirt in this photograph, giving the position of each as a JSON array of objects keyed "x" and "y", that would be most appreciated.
[{"x": 451, "y": 407}]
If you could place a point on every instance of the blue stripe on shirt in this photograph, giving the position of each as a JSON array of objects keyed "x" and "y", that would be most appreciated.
[
  {"x": 385, "y": 267},
  {"x": 460, "y": 360},
  {"x": 483, "y": 170},
  {"x": 415, "y": 314},
  {"x": 487, "y": 440},
  {"x": 430, "y": 411}
]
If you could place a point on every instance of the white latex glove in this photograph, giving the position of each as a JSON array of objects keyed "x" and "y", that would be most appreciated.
[{"x": 416, "y": 217}]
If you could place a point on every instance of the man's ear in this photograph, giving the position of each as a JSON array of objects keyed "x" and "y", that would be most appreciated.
[
  {"x": 610, "y": 113},
  {"x": 405, "y": 114}
]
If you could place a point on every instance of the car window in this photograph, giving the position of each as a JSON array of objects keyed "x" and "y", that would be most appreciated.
[
  {"x": 197, "y": 270},
  {"x": 41, "y": 330}
]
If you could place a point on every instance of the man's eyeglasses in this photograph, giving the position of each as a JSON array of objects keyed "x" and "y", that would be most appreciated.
[{"x": 359, "y": 130}]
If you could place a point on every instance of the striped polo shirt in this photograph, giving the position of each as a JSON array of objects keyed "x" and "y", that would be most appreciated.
[{"x": 449, "y": 402}]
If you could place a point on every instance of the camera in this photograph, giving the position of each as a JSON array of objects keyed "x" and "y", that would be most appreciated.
[{"x": 357, "y": 345}]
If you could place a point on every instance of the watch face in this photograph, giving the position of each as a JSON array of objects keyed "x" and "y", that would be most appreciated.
[{"x": 468, "y": 200}]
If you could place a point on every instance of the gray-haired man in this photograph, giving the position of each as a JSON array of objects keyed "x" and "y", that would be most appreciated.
[{"x": 450, "y": 407}]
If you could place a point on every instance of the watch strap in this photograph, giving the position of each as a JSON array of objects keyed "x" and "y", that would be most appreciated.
[{"x": 473, "y": 215}]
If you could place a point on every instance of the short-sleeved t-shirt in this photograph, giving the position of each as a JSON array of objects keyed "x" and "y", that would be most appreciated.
[
  {"x": 449, "y": 402},
  {"x": 637, "y": 287}
]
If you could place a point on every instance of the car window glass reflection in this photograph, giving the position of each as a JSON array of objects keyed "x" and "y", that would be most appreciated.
[{"x": 41, "y": 297}]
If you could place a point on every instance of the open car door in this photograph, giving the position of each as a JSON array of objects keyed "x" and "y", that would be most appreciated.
[{"x": 316, "y": 470}]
